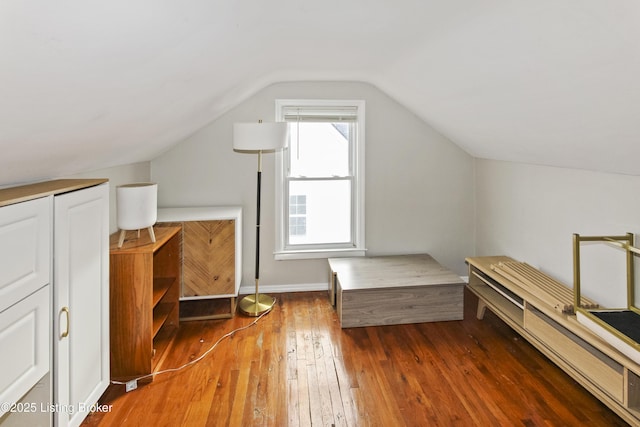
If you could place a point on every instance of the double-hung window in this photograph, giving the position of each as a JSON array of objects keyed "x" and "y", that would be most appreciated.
[{"x": 320, "y": 179}]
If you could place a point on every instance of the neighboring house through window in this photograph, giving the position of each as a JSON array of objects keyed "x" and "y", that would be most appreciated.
[
  {"x": 320, "y": 179},
  {"x": 297, "y": 217}
]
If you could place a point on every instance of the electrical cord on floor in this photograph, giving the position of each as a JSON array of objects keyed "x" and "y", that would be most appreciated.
[{"x": 132, "y": 384}]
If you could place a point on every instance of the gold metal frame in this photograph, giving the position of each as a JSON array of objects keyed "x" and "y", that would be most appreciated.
[{"x": 627, "y": 243}]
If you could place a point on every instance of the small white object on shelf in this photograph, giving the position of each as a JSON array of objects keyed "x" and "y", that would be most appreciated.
[
  {"x": 137, "y": 208},
  {"x": 611, "y": 338}
]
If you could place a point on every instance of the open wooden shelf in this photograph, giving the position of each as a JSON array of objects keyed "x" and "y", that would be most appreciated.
[
  {"x": 160, "y": 315},
  {"x": 161, "y": 344},
  {"x": 145, "y": 281},
  {"x": 497, "y": 303},
  {"x": 161, "y": 285}
]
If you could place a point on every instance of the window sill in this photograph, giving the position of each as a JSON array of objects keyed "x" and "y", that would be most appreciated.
[{"x": 318, "y": 254}]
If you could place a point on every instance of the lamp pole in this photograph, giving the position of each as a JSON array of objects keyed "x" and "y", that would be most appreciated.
[
  {"x": 258, "y": 138},
  {"x": 258, "y": 224}
]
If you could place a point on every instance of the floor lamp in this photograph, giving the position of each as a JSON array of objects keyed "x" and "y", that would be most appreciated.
[{"x": 258, "y": 138}]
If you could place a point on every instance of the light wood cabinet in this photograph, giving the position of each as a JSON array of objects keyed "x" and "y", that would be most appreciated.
[
  {"x": 211, "y": 257},
  {"x": 145, "y": 281},
  {"x": 209, "y": 261}
]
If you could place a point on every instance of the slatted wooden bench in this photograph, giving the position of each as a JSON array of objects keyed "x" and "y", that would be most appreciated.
[{"x": 541, "y": 310}]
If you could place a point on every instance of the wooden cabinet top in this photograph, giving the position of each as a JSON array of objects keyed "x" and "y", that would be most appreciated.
[
  {"x": 143, "y": 244},
  {"x": 23, "y": 193}
]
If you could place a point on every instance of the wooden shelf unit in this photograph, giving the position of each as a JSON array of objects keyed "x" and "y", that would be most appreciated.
[
  {"x": 145, "y": 292},
  {"x": 601, "y": 369}
]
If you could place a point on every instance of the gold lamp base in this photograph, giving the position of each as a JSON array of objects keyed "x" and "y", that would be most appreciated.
[{"x": 256, "y": 304}]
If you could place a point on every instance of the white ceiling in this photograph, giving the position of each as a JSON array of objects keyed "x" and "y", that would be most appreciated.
[{"x": 88, "y": 84}]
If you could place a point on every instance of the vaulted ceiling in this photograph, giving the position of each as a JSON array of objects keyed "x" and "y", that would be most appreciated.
[{"x": 91, "y": 84}]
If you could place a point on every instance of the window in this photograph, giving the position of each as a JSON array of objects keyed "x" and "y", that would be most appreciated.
[
  {"x": 320, "y": 179},
  {"x": 297, "y": 216}
]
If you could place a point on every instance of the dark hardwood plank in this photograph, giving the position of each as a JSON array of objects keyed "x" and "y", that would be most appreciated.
[{"x": 297, "y": 367}]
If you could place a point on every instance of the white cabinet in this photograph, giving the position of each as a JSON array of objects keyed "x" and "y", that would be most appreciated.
[
  {"x": 54, "y": 300},
  {"x": 25, "y": 247},
  {"x": 81, "y": 301}
]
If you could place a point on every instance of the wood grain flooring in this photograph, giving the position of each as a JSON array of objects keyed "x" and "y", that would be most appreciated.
[{"x": 297, "y": 367}]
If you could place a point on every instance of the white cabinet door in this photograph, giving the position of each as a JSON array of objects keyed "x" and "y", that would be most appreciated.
[
  {"x": 81, "y": 301},
  {"x": 25, "y": 249},
  {"x": 24, "y": 340}
]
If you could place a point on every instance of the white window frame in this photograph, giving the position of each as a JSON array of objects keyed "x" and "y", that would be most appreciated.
[{"x": 357, "y": 246}]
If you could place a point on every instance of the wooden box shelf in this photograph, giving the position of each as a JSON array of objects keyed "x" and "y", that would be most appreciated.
[
  {"x": 145, "y": 291},
  {"x": 394, "y": 289}
]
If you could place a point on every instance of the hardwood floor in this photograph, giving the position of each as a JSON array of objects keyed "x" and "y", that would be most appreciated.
[{"x": 297, "y": 367}]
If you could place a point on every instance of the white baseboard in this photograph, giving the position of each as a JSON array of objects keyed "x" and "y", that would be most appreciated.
[
  {"x": 280, "y": 289},
  {"x": 300, "y": 287}
]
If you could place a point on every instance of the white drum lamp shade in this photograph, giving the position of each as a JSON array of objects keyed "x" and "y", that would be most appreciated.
[
  {"x": 254, "y": 137},
  {"x": 136, "y": 207}
]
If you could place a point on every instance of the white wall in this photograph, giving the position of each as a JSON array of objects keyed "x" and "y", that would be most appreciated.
[
  {"x": 119, "y": 175},
  {"x": 531, "y": 212},
  {"x": 419, "y": 186}
]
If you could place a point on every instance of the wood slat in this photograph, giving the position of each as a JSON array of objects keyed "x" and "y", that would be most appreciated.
[
  {"x": 297, "y": 367},
  {"x": 556, "y": 294},
  {"x": 209, "y": 263}
]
